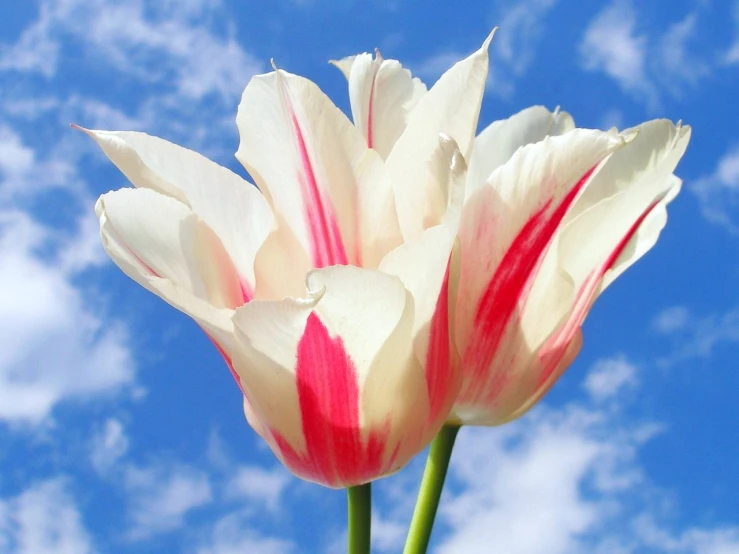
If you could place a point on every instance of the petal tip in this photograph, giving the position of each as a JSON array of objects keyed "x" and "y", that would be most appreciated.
[
  {"x": 489, "y": 39},
  {"x": 626, "y": 139}
]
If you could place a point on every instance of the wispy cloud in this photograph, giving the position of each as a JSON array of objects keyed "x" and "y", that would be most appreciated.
[
  {"x": 521, "y": 24},
  {"x": 609, "y": 377},
  {"x": 718, "y": 192},
  {"x": 562, "y": 481},
  {"x": 671, "y": 319},
  {"x": 261, "y": 487},
  {"x": 698, "y": 336},
  {"x": 162, "y": 495},
  {"x": 512, "y": 52},
  {"x": 43, "y": 519},
  {"x": 232, "y": 535},
  {"x": 643, "y": 64},
  {"x": 54, "y": 345},
  {"x": 732, "y": 54},
  {"x": 159, "y": 42},
  {"x": 108, "y": 446}
]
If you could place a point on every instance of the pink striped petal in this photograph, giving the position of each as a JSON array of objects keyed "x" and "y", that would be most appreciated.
[
  {"x": 562, "y": 346},
  {"x": 333, "y": 379},
  {"x": 301, "y": 151},
  {"x": 234, "y": 209},
  {"x": 163, "y": 239},
  {"x": 158, "y": 241},
  {"x": 507, "y": 228},
  {"x": 623, "y": 214}
]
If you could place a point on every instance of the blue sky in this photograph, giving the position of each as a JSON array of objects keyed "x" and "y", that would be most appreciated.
[{"x": 120, "y": 428}]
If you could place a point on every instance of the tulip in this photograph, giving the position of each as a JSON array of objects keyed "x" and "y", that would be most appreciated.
[
  {"x": 551, "y": 216},
  {"x": 329, "y": 307}
]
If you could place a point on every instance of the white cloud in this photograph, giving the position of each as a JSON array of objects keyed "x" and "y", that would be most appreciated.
[
  {"x": 262, "y": 487},
  {"x": 690, "y": 541},
  {"x": 671, "y": 319},
  {"x": 520, "y": 23},
  {"x": 387, "y": 534},
  {"x": 512, "y": 51},
  {"x": 565, "y": 481},
  {"x": 609, "y": 376},
  {"x": 162, "y": 42},
  {"x": 678, "y": 64},
  {"x": 643, "y": 65},
  {"x": 35, "y": 51},
  {"x": 232, "y": 535},
  {"x": 718, "y": 192},
  {"x": 732, "y": 54},
  {"x": 535, "y": 482},
  {"x": 24, "y": 174},
  {"x": 161, "y": 496},
  {"x": 42, "y": 520},
  {"x": 54, "y": 346},
  {"x": 108, "y": 445},
  {"x": 559, "y": 481},
  {"x": 702, "y": 335},
  {"x": 611, "y": 45}
]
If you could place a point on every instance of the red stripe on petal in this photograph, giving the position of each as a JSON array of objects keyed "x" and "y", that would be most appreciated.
[
  {"x": 335, "y": 454},
  {"x": 439, "y": 369},
  {"x": 327, "y": 245},
  {"x": 555, "y": 348},
  {"x": 499, "y": 304}
]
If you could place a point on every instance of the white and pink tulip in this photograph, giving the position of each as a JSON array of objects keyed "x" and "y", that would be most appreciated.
[{"x": 388, "y": 275}]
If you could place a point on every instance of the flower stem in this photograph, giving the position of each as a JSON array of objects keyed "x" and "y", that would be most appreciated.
[
  {"x": 359, "y": 499},
  {"x": 432, "y": 484}
]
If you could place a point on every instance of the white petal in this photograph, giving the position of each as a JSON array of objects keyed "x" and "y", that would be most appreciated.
[
  {"x": 233, "y": 208},
  {"x": 381, "y": 93},
  {"x": 495, "y": 145},
  {"x": 158, "y": 241},
  {"x": 643, "y": 172},
  {"x": 415, "y": 164}
]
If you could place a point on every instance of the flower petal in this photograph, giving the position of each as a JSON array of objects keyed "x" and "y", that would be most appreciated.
[
  {"x": 495, "y": 145},
  {"x": 623, "y": 214},
  {"x": 642, "y": 172},
  {"x": 416, "y": 166},
  {"x": 157, "y": 241},
  {"x": 300, "y": 149},
  {"x": 507, "y": 228},
  {"x": 381, "y": 93},
  {"x": 333, "y": 378},
  {"x": 233, "y": 208}
]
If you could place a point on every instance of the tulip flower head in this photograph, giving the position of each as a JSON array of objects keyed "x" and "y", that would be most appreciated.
[{"x": 389, "y": 274}]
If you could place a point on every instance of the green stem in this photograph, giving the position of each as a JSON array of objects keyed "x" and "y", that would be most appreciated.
[
  {"x": 360, "y": 518},
  {"x": 432, "y": 484}
]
